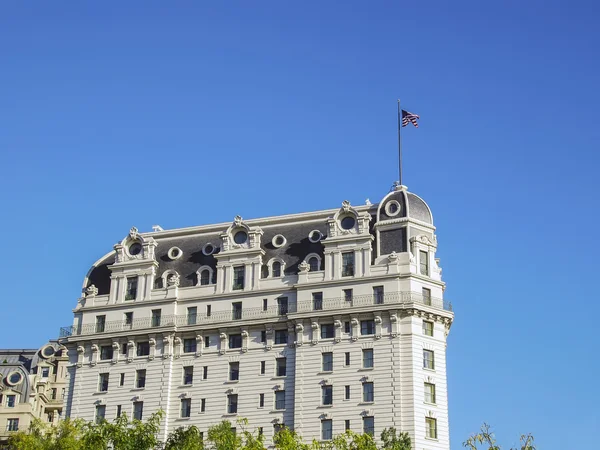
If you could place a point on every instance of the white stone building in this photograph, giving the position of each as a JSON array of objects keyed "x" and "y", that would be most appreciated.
[{"x": 320, "y": 321}]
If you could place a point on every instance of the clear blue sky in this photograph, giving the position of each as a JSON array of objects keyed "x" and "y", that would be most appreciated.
[{"x": 115, "y": 114}]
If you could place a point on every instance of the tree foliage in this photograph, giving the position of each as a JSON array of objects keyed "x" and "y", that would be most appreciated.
[
  {"x": 485, "y": 440},
  {"x": 125, "y": 434}
]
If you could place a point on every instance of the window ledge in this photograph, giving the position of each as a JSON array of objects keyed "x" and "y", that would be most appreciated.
[
  {"x": 325, "y": 372},
  {"x": 138, "y": 389},
  {"x": 366, "y": 403},
  {"x": 428, "y": 369},
  {"x": 325, "y": 406},
  {"x": 280, "y": 377},
  {"x": 278, "y": 410},
  {"x": 186, "y": 385},
  {"x": 182, "y": 419},
  {"x": 431, "y": 439},
  {"x": 100, "y": 393},
  {"x": 429, "y": 403},
  {"x": 230, "y": 414},
  {"x": 366, "y": 369},
  {"x": 231, "y": 381}
]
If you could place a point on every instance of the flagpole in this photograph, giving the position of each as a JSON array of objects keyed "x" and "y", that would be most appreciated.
[{"x": 399, "y": 145}]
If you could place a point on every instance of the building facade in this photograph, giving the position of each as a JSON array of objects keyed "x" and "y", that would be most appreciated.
[
  {"x": 321, "y": 321},
  {"x": 32, "y": 385}
]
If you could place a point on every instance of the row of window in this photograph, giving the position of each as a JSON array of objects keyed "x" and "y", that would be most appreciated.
[{"x": 369, "y": 427}]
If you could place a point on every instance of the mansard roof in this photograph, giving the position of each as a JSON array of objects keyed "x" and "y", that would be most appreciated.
[{"x": 295, "y": 228}]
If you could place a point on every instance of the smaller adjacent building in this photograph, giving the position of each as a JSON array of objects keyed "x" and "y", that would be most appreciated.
[{"x": 32, "y": 385}]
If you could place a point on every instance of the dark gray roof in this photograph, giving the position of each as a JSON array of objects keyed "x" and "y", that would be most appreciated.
[{"x": 418, "y": 209}]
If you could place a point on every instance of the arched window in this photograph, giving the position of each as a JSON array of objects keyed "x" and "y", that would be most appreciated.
[
  {"x": 205, "y": 277},
  {"x": 276, "y": 269},
  {"x": 314, "y": 264}
]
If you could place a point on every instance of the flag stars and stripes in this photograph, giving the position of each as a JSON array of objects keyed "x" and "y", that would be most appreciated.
[{"x": 409, "y": 117}]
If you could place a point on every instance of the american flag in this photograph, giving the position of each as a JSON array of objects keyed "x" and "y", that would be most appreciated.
[{"x": 409, "y": 117}]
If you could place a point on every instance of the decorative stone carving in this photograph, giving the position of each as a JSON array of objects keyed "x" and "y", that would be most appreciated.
[
  {"x": 237, "y": 221},
  {"x": 223, "y": 339},
  {"x": 346, "y": 206},
  {"x": 80, "y": 353},
  {"x": 133, "y": 233},
  {"x": 173, "y": 280},
  {"x": 303, "y": 267},
  {"x": 393, "y": 257},
  {"x": 91, "y": 291}
]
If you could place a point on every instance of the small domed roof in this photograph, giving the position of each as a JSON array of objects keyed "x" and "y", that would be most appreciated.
[{"x": 401, "y": 203}]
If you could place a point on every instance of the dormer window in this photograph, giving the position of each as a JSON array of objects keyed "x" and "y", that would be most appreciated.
[
  {"x": 423, "y": 263},
  {"x": 135, "y": 249},
  {"x": 240, "y": 237},
  {"x": 348, "y": 222},
  {"x": 131, "y": 292},
  {"x": 238, "y": 277},
  {"x": 315, "y": 236},
  {"x": 205, "y": 277},
  {"x": 313, "y": 264},
  {"x": 276, "y": 269}
]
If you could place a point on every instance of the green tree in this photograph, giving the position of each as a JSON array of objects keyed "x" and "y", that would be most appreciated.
[
  {"x": 354, "y": 441},
  {"x": 223, "y": 437},
  {"x": 486, "y": 438},
  {"x": 286, "y": 439},
  {"x": 392, "y": 440},
  {"x": 184, "y": 439},
  {"x": 40, "y": 436}
]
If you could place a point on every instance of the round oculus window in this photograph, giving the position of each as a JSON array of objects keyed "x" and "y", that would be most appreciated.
[
  {"x": 208, "y": 249},
  {"x": 14, "y": 378},
  {"x": 348, "y": 222},
  {"x": 174, "y": 253},
  {"x": 315, "y": 236},
  {"x": 135, "y": 249},
  {"x": 240, "y": 237},
  {"x": 278, "y": 241},
  {"x": 392, "y": 208},
  {"x": 47, "y": 351}
]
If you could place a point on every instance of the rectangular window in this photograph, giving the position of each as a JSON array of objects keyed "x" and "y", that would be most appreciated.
[
  {"x": 327, "y": 362},
  {"x": 378, "y": 295},
  {"x": 131, "y": 292},
  {"x": 317, "y": 298},
  {"x": 118, "y": 411},
  {"x": 347, "y": 358},
  {"x": 263, "y": 336},
  {"x": 326, "y": 430},
  {"x": 367, "y": 327},
  {"x": 53, "y": 394},
  {"x": 424, "y": 262},
  {"x": 348, "y": 264},
  {"x": 202, "y": 405},
  {"x": 129, "y": 318},
  {"x": 265, "y": 304},
  {"x": 430, "y": 392},
  {"x": 103, "y": 382},
  {"x": 236, "y": 310},
  {"x": 206, "y": 341},
  {"x": 192, "y": 315},
  {"x": 347, "y": 328},
  {"x": 281, "y": 336},
  {"x": 430, "y": 428},
  {"x": 106, "y": 352},
  {"x": 368, "y": 393},
  {"x": 347, "y": 392},
  {"x": 140, "y": 378},
  {"x": 346, "y": 425},
  {"x": 261, "y": 400},
  {"x": 208, "y": 310},
  {"x": 124, "y": 348},
  {"x": 188, "y": 375},
  {"x": 281, "y": 367},
  {"x": 100, "y": 324},
  {"x": 428, "y": 359},
  {"x": 426, "y": 296},
  {"x": 262, "y": 367},
  {"x": 348, "y": 295},
  {"x": 138, "y": 410},
  {"x": 12, "y": 425},
  {"x": 100, "y": 413},
  {"x": 189, "y": 345},
  {"x": 282, "y": 306},
  {"x": 367, "y": 358},
  {"x": 427, "y": 328},
  {"x": 234, "y": 371},
  {"x": 235, "y": 341},
  {"x": 327, "y": 331},
  {"x": 232, "y": 403},
  {"x": 122, "y": 379},
  {"x": 10, "y": 401},
  {"x": 238, "y": 277},
  {"x": 46, "y": 370},
  {"x": 143, "y": 348},
  {"x": 205, "y": 373},
  {"x": 279, "y": 399},
  {"x": 369, "y": 425},
  {"x": 327, "y": 395},
  {"x": 156, "y": 314},
  {"x": 186, "y": 407}
]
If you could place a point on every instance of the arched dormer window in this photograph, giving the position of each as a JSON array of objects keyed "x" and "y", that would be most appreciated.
[
  {"x": 314, "y": 262},
  {"x": 276, "y": 269},
  {"x": 205, "y": 276}
]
